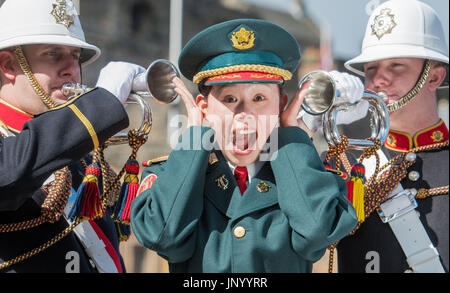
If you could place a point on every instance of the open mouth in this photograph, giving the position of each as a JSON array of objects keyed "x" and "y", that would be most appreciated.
[{"x": 244, "y": 140}]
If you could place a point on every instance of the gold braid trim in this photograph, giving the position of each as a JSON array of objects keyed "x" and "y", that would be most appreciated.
[
  {"x": 86, "y": 124},
  {"x": 377, "y": 188},
  {"x": 285, "y": 74},
  {"x": 412, "y": 93},
  {"x": 27, "y": 255},
  {"x": 34, "y": 84}
]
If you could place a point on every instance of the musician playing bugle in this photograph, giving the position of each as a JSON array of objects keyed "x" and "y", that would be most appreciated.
[
  {"x": 45, "y": 141},
  {"x": 404, "y": 55},
  {"x": 403, "y": 225}
]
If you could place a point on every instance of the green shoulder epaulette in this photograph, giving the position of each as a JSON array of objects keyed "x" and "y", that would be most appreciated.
[
  {"x": 155, "y": 161},
  {"x": 341, "y": 174}
]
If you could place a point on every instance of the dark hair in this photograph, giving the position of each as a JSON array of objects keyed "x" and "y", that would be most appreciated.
[
  {"x": 204, "y": 89},
  {"x": 438, "y": 63}
]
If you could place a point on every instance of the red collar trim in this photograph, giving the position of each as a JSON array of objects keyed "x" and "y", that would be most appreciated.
[
  {"x": 401, "y": 141},
  {"x": 13, "y": 117}
]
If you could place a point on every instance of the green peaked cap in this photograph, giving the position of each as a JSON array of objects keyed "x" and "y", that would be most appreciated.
[{"x": 238, "y": 42}]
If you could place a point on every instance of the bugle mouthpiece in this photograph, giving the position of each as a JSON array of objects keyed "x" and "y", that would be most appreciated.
[
  {"x": 383, "y": 96},
  {"x": 70, "y": 90}
]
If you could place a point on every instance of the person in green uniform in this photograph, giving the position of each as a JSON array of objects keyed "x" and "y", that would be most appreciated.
[{"x": 245, "y": 191}]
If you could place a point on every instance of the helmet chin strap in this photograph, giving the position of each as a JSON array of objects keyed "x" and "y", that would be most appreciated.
[
  {"x": 414, "y": 91},
  {"x": 46, "y": 99}
]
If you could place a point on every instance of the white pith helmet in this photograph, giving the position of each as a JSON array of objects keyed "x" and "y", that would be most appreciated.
[
  {"x": 25, "y": 22},
  {"x": 402, "y": 29}
]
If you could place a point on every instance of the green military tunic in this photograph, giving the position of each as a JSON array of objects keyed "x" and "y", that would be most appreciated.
[{"x": 200, "y": 223}]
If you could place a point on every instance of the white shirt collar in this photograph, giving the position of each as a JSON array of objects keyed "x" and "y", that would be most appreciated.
[{"x": 252, "y": 169}]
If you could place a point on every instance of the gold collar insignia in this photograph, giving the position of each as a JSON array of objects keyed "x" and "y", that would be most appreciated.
[
  {"x": 222, "y": 182},
  {"x": 212, "y": 159},
  {"x": 262, "y": 187}
]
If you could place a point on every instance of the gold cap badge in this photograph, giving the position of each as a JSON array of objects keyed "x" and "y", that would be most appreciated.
[
  {"x": 63, "y": 13},
  {"x": 243, "y": 39},
  {"x": 383, "y": 23}
]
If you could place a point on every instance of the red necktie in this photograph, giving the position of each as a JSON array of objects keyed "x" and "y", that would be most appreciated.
[{"x": 240, "y": 173}]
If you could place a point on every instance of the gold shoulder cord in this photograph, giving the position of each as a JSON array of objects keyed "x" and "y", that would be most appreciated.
[
  {"x": 27, "y": 71},
  {"x": 412, "y": 93}
]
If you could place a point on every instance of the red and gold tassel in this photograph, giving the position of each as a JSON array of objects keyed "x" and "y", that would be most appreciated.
[
  {"x": 88, "y": 201},
  {"x": 355, "y": 190},
  {"x": 129, "y": 187}
]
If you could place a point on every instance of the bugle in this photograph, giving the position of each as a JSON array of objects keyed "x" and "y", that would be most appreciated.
[
  {"x": 158, "y": 80},
  {"x": 320, "y": 100},
  {"x": 321, "y": 92},
  {"x": 379, "y": 122}
]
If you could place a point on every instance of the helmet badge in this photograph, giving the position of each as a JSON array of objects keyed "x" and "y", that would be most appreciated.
[
  {"x": 63, "y": 13},
  {"x": 383, "y": 23},
  {"x": 243, "y": 39}
]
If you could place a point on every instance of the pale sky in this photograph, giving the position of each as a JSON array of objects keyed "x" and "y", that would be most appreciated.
[{"x": 346, "y": 19}]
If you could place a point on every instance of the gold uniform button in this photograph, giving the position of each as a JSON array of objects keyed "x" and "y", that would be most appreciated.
[{"x": 239, "y": 232}]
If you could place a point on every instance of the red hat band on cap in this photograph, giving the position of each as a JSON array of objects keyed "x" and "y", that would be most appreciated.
[{"x": 244, "y": 77}]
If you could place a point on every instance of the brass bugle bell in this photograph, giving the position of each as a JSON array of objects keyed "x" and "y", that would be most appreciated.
[
  {"x": 320, "y": 100},
  {"x": 158, "y": 79},
  {"x": 321, "y": 93}
]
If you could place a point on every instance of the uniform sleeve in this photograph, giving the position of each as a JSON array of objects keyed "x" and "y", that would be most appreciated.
[
  {"x": 164, "y": 217},
  {"x": 313, "y": 200},
  {"x": 53, "y": 140}
]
